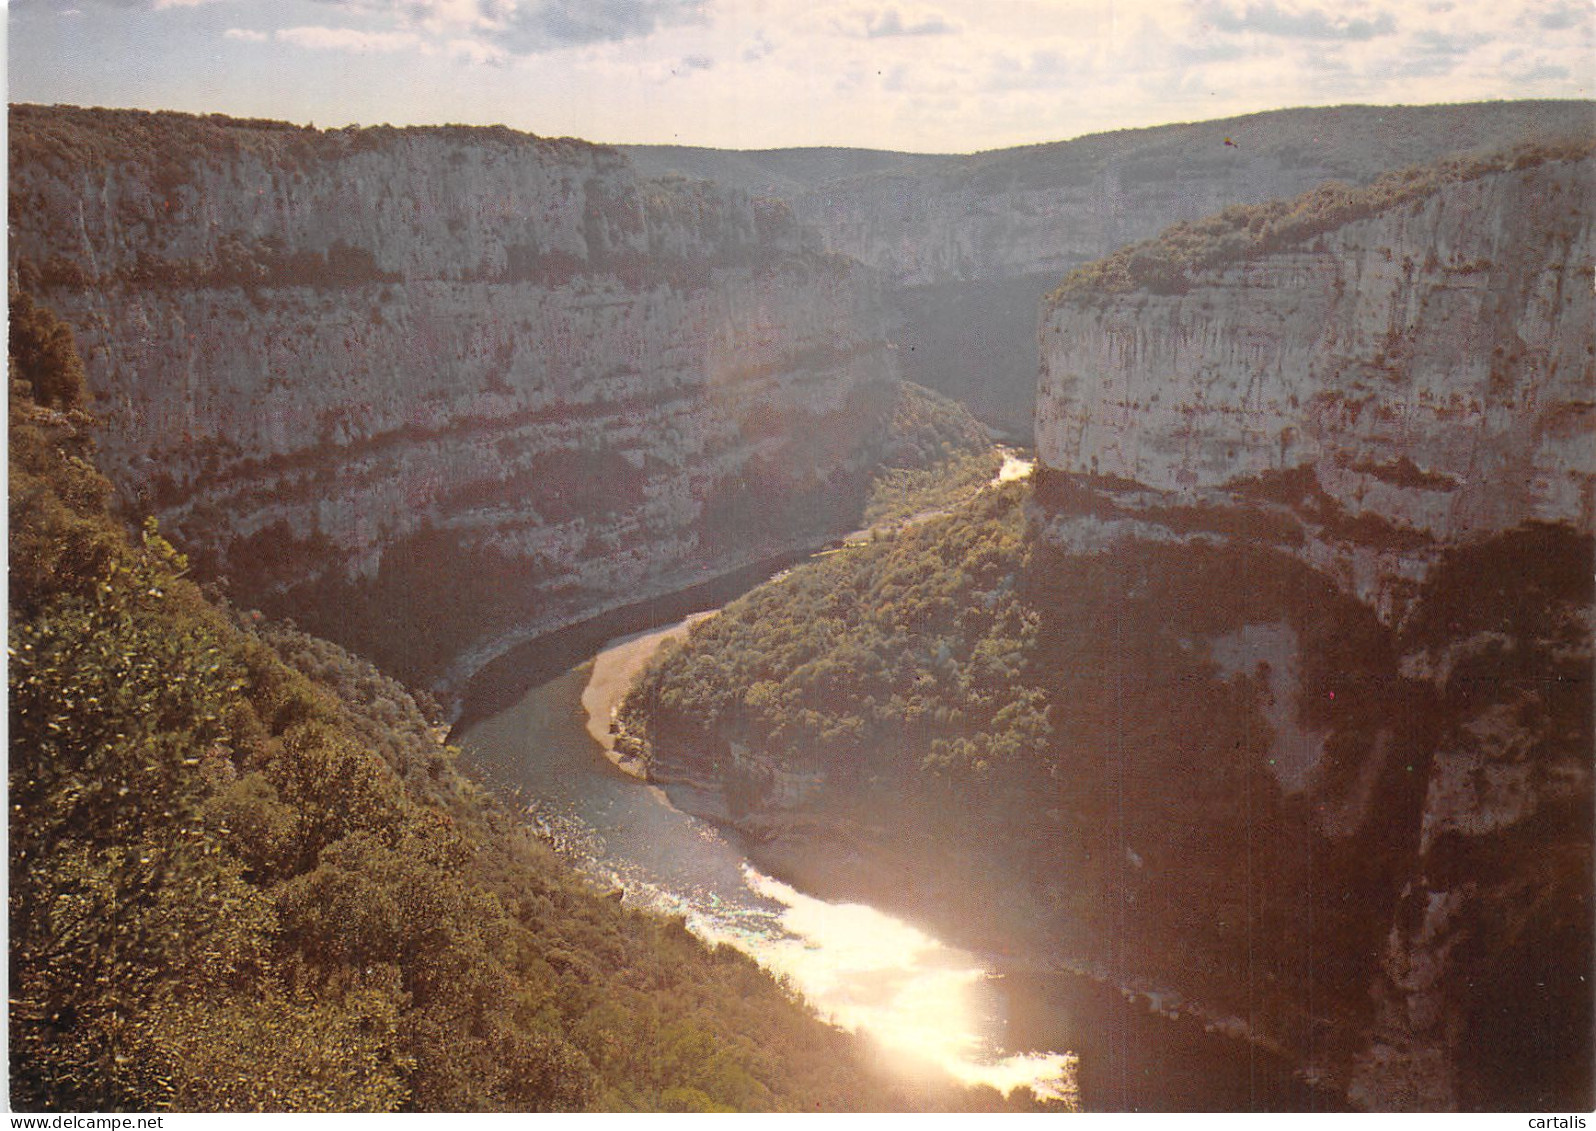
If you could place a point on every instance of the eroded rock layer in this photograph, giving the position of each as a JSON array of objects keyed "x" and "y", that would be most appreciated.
[
  {"x": 434, "y": 390},
  {"x": 1410, "y": 380},
  {"x": 1403, "y": 402},
  {"x": 970, "y": 243}
]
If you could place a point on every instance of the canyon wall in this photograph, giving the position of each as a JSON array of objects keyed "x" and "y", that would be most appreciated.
[
  {"x": 970, "y": 243},
  {"x": 431, "y": 391},
  {"x": 1422, "y": 377},
  {"x": 1361, "y": 460},
  {"x": 924, "y": 219}
]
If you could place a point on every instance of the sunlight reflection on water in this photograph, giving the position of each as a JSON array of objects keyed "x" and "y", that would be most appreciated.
[
  {"x": 1014, "y": 468},
  {"x": 929, "y": 1004}
]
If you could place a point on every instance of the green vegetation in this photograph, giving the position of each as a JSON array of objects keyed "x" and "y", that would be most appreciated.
[
  {"x": 894, "y": 658},
  {"x": 1164, "y": 264},
  {"x": 1355, "y": 143},
  {"x": 937, "y": 457},
  {"x": 1026, "y": 717},
  {"x": 900, "y": 493},
  {"x": 152, "y": 166},
  {"x": 169, "y": 143},
  {"x": 43, "y": 356},
  {"x": 246, "y": 874},
  {"x": 928, "y": 428},
  {"x": 937, "y": 454},
  {"x": 1053, "y": 731}
]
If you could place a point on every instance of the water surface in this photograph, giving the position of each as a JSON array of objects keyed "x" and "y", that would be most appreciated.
[{"x": 930, "y": 1005}]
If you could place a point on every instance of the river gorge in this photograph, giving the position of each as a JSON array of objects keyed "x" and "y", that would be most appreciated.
[
  {"x": 589, "y": 666},
  {"x": 929, "y": 1004}
]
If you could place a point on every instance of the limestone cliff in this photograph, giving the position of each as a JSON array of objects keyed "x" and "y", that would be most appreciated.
[
  {"x": 1395, "y": 393},
  {"x": 925, "y": 219},
  {"x": 1422, "y": 377},
  {"x": 969, "y": 243},
  {"x": 433, "y": 390}
]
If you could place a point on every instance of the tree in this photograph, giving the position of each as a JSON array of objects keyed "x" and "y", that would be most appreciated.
[{"x": 43, "y": 355}]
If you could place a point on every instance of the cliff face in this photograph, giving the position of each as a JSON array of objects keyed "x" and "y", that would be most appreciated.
[
  {"x": 924, "y": 220},
  {"x": 431, "y": 391},
  {"x": 1427, "y": 371},
  {"x": 1398, "y": 411},
  {"x": 969, "y": 244},
  {"x": 1040, "y": 210}
]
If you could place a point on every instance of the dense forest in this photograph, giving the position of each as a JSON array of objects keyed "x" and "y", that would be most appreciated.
[
  {"x": 900, "y": 657},
  {"x": 246, "y": 873}
]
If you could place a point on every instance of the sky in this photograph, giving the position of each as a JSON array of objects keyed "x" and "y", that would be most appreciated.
[{"x": 943, "y": 76}]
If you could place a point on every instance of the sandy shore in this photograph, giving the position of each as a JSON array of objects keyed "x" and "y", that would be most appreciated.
[{"x": 615, "y": 669}]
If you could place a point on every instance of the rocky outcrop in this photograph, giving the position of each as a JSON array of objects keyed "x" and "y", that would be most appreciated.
[
  {"x": 1395, "y": 412},
  {"x": 434, "y": 390}
]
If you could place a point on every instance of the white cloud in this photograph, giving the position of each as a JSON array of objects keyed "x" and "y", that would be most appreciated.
[
  {"x": 349, "y": 39},
  {"x": 916, "y": 74},
  {"x": 492, "y": 30},
  {"x": 892, "y": 23},
  {"x": 1298, "y": 20},
  {"x": 477, "y": 52},
  {"x": 1042, "y": 70}
]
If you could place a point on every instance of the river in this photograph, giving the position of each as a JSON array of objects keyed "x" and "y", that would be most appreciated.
[
  {"x": 937, "y": 1007},
  {"x": 930, "y": 1004}
]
